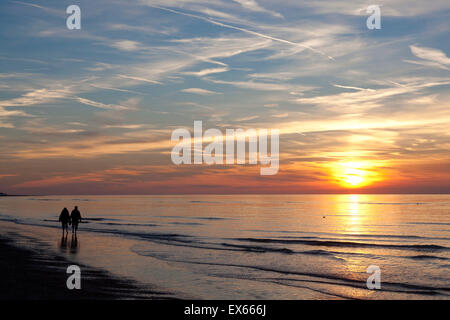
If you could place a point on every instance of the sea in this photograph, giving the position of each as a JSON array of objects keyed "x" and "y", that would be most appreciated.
[{"x": 252, "y": 246}]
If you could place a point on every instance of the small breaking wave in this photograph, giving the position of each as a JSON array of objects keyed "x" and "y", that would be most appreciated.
[{"x": 326, "y": 243}]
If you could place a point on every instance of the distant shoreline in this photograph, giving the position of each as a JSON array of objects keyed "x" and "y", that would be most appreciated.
[{"x": 12, "y": 195}]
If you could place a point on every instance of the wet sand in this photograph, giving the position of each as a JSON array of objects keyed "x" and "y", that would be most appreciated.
[{"x": 29, "y": 274}]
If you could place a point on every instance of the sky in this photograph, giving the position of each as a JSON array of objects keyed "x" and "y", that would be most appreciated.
[{"x": 91, "y": 111}]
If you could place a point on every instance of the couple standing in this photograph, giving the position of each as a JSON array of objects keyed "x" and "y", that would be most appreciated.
[{"x": 74, "y": 218}]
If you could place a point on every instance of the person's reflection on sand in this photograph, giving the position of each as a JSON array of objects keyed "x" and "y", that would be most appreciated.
[
  {"x": 74, "y": 243},
  {"x": 63, "y": 241}
]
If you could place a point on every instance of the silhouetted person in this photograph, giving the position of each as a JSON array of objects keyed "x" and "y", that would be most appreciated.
[
  {"x": 64, "y": 218},
  {"x": 75, "y": 216}
]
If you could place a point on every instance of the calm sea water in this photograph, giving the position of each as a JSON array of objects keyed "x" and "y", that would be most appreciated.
[{"x": 257, "y": 246}]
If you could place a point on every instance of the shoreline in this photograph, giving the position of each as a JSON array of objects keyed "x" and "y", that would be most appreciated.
[{"x": 28, "y": 274}]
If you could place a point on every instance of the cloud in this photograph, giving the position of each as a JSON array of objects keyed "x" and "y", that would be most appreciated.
[
  {"x": 366, "y": 105},
  {"x": 60, "y": 13},
  {"x": 263, "y": 86},
  {"x": 114, "y": 89},
  {"x": 258, "y": 34},
  {"x": 139, "y": 79},
  {"x": 364, "y": 99},
  {"x": 36, "y": 96},
  {"x": 126, "y": 45},
  {"x": 273, "y": 76},
  {"x": 395, "y": 8},
  {"x": 39, "y": 127},
  {"x": 76, "y": 123},
  {"x": 281, "y": 115},
  {"x": 426, "y": 63},
  {"x": 254, "y": 6},
  {"x": 199, "y": 91},
  {"x": 434, "y": 57},
  {"x": 352, "y": 88},
  {"x": 9, "y": 113},
  {"x": 100, "y": 66},
  {"x": 205, "y": 72},
  {"x": 219, "y": 14},
  {"x": 247, "y": 118},
  {"x": 100, "y": 105},
  {"x": 146, "y": 29},
  {"x": 93, "y": 147},
  {"x": 124, "y": 126},
  {"x": 430, "y": 54}
]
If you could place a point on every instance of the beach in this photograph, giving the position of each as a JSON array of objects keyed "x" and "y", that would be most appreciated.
[
  {"x": 29, "y": 274},
  {"x": 228, "y": 247}
]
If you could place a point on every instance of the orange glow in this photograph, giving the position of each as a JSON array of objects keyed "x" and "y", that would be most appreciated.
[{"x": 355, "y": 174}]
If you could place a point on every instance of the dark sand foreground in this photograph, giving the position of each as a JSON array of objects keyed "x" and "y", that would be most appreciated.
[{"x": 35, "y": 275}]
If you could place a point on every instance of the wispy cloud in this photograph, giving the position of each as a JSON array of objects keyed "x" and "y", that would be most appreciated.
[
  {"x": 124, "y": 126},
  {"x": 37, "y": 96},
  {"x": 433, "y": 57},
  {"x": 263, "y": 86},
  {"x": 364, "y": 99},
  {"x": 101, "y": 105},
  {"x": 142, "y": 28},
  {"x": 234, "y": 64},
  {"x": 139, "y": 79},
  {"x": 200, "y": 91},
  {"x": 205, "y": 72},
  {"x": 47, "y": 9},
  {"x": 254, "y": 6},
  {"x": 258, "y": 34},
  {"x": 395, "y": 8},
  {"x": 353, "y": 88},
  {"x": 126, "y": 45}
]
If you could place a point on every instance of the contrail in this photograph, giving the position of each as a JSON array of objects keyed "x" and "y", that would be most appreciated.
[{"x": 242, "y": 29}]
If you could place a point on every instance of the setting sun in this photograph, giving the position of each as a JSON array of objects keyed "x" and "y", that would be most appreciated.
[
  {"x": 354, "y": 174},
  {"x": 354, "y": 179}
]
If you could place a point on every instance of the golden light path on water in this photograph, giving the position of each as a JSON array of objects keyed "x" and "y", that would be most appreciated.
[{"x": 354, "y": 221}]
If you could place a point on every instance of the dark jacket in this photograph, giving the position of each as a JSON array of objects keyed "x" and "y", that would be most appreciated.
[
  {"x": 64, "y": 216},
  {"x": 75, "y": 216}
]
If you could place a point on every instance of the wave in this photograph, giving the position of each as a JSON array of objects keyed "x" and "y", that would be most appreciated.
[
  {"x": 427, "y": 257},
  {"x": 326, "y": 243},
  {"x": 348, "y": 235},
  {"x": 431, "y": 223},
  {"x": 131, "y": 224},
  {"x": 390, "y": 203},
  {"x": 368, "y": 237},
  {"x": 195, "y": 218},
  {"x": 328, "y": 278},
  {"x": 101, "y": 219},
  {"x": 259, "y": 249},
  {"x": 186, "y": 223}
]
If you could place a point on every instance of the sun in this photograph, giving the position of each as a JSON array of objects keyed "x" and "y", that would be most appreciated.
[
  {"x": 354, "y": 180},
  {"x": 354, "y": 174}
]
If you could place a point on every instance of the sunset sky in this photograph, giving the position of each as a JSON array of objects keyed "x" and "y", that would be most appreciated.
[{"x": 91, "y": 111}]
